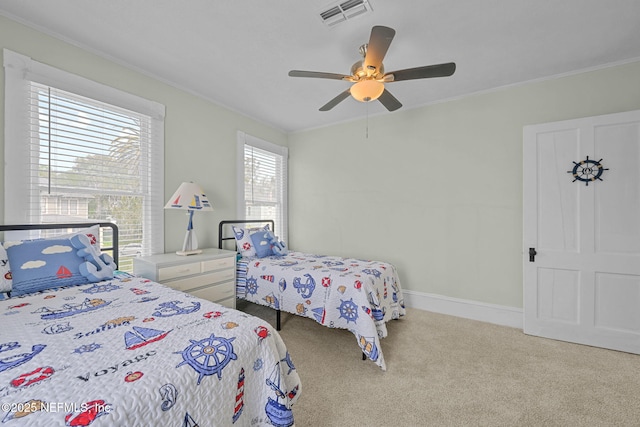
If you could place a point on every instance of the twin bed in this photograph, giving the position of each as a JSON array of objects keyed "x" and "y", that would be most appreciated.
[
  {"x": 347, "y": 293},
  {"x": 128, "y": 351}
]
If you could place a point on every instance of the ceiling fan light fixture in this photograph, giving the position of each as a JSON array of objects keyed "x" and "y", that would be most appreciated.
[
  {"x": 368, "y": 76},
  {"x": 367, "y": 90}
]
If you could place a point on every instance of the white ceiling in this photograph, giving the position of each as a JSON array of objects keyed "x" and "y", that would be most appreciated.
[{"x": 237, "y": 53}]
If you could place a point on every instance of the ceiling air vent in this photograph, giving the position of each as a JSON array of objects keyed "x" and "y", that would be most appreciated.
[{"x": 340, "y": 12}]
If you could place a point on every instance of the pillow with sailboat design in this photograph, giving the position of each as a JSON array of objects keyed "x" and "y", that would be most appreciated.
[
  {"x": 38, "y": 265},
  {"x": 6, "y": 276}
]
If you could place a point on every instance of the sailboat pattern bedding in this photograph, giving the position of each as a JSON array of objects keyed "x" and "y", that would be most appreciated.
[
  {"x": 132, "y": 352},
  {"x": 347, "y": 293}
]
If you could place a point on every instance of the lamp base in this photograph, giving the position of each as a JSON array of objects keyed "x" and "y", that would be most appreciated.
[
  {"x": 190, "y": 245},
  {"x": 192, "y": 252}
]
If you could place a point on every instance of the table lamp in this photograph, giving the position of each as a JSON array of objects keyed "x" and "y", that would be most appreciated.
[{"x": 189, "y": 196}]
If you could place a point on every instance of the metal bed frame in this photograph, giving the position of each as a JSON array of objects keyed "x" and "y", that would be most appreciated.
[
  {"x": 60, "y": 226},
  {"x": 222, "y": 239}
]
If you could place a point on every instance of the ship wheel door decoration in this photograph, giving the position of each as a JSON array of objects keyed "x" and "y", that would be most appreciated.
[{"x": 587, "y": 170}]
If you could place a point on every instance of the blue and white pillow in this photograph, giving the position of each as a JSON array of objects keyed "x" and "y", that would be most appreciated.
[
  {"x": 267, "y": 244},
  {"x": 37, "y": 265},
  {"x": 5, "y": 271},
  {"x": 243, "y": 239},
  {"x": 96, "y": 266},
  {"x": 6, "y": 282},
  {"x": 262, "y": 243}
]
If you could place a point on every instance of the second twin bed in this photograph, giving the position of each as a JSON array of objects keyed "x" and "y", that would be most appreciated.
[{"x": 347, "y": 293}]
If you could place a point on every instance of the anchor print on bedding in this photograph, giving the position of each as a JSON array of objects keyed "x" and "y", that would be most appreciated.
[
  {"x": 346, "y": 293},
  {"x": 132, "y": 352}
]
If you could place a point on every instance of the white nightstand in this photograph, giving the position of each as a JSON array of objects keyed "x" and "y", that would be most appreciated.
[{"x": 210, "y": 275}]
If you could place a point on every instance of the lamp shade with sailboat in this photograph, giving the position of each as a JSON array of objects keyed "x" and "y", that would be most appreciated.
[{"x": 190, "y": 197}]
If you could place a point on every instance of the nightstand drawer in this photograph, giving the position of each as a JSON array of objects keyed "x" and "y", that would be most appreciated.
[
  {"x": 217, "y": 264},
  {"x": 166, "y": 273},
  {"x": 203, "y": 280},
  {"x": 217, "y": 293},
  {"x": 210, "y": 274}
]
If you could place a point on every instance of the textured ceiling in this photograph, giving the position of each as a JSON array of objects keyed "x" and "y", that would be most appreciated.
[{"x": 238, "y": 53}]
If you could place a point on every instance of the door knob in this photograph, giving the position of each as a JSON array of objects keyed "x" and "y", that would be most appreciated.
[{"x": 532, "y": 254}]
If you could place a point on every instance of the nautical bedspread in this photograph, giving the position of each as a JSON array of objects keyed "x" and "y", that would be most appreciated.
[
  {"x": 130, "y": 352},
  {"x": 346, "y": 293}
]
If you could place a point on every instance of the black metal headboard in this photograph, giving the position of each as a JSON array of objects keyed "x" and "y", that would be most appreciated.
[
  {"x": 221, "y": 229},
  {"x": 112, "y": 226}
]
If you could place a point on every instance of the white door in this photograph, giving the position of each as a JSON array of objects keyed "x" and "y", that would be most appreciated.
[{"x": 583, "y": 282}]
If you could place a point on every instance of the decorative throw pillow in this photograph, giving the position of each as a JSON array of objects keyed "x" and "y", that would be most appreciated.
[
  {"x": 267, "y": 244},
  {"x": 92, "y": 233},
  {"x": 97, "y": 266},
  {"x": 243, "y": 239},
  {"x": 262, "y": 243},
  {"x": 278, "y": 247},
  {"x": 38, "y": 265}
]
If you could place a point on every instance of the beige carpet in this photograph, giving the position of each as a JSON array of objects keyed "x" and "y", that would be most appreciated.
[{"x": 448, "y": 371}]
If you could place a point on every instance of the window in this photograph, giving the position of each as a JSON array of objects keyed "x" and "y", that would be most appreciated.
[
  {"x": 262, "y": 181},
  {"x": 78, "y": 151}
]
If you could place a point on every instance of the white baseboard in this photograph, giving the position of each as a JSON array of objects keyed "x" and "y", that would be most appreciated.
[{"x": 475, "y": 310}]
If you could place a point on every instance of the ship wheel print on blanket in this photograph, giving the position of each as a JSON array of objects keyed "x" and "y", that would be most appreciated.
[
  {"x": 208, "y": 356},
  {"x": 348, "y": 310}
]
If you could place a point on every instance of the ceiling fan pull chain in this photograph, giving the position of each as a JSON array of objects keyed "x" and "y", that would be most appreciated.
[{"x": 367, "y": 132}]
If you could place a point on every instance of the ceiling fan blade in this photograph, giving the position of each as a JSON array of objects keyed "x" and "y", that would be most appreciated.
[
  {"x": 335, "y": 101},
  {"x": 379, "y": 42},
  {"x": 389, "y": 101},
  {"x": 439, "y": 70},
  {"x": 318, "y": 75}
]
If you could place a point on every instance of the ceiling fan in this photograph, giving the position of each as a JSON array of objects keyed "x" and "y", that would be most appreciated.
[{"x": 368, "y": 74}]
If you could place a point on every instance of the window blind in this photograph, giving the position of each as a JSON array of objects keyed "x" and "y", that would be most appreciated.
[
  {"x": 263, "y": 182},
  {"x": 83, "y": 160}
]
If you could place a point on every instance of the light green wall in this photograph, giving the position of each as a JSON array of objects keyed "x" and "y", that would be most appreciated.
[
  {"x": 437, "y": 191},
  {"x": 200, "y": 137}
]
